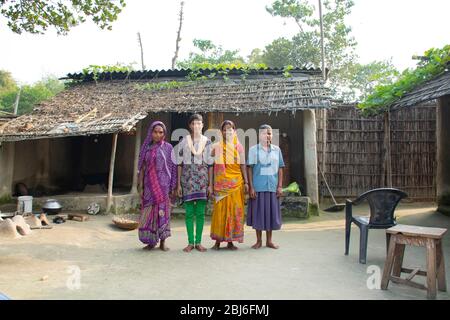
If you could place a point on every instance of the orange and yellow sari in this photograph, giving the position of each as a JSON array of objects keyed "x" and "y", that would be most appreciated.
[{"x": 227, "y": 222}]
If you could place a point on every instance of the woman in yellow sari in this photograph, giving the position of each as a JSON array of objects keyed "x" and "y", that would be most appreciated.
[{"x": 230, "y": 184}]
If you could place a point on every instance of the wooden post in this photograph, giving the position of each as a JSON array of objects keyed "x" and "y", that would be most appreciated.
[
  {"x": 137, "y": 147},
  {"x": 215, "y": 119},
  {"x": 43, "y": 158},
  {"x": 111, "y": 173},
  {"x": 387, "y": 164},
  {"x": 443, "y": 153},
  {"x": 324, "y": 141},
  {"x": 7, "y": 156},
  {"x": 310, "y": 155},
  {"x": 16, "y": 103}
]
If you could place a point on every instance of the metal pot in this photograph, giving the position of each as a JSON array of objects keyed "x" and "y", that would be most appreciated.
[{"x": 51, "y": 207}]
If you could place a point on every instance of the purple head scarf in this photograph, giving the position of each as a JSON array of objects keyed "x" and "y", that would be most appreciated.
[{"x": 148, "y": 141}]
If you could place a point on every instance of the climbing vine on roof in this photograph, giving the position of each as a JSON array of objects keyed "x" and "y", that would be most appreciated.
[
  {"x": 222, "y": 70},
  {"x": 431, "y": 64},
  {"x": 200, "y": 72},
  {"x": 96, "y": 70}
]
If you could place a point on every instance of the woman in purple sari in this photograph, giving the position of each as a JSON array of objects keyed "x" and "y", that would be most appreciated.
[{"x": 157, "y": 185}]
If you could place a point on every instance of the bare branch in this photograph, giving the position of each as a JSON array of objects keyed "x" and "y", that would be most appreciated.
[
  {"x": 177, "y": 45},
  {"x": 142, "y": 50}
]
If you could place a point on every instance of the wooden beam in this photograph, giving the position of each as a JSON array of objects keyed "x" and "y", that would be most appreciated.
[
  {"x": 419, "y": 273},
  {"x": 111, "y": 173},
  {"x": 387, "y": 164},
  {"x": 215, "y": 119},
  {"x": 16, "y": 103},
  {"x": 412, "y": 274},
  {"x": 413, "y": 284},
  {"x": 324, "y": 142},
  {"x": 137, "y": 147},
  {"x": 310, "y": 155}
]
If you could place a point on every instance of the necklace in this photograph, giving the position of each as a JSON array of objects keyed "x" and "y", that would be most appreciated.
[{"x": 201, "y": 145}]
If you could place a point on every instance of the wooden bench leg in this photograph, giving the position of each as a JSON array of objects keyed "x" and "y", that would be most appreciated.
[
  {"x": 442, "y": 284},
  {"x": 398, "y": 259},
  {"x": 431, "y": 269},
  {"x": 388, "y": 264}
]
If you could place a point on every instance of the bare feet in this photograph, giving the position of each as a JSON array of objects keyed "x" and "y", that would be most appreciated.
[
  {"x": 44, "y": 220},
  {"x": 271, "y": 245},
  {"x": 200, "y": 248},
  {"x": 257, "y": 245},
  {"x": 216, "y": 246},
  {"x": 231, "y": 246},
  {"x": 188, "y": 248},
  {"x": 163, "y": 246},
  {"x": 148, "y": 247}
]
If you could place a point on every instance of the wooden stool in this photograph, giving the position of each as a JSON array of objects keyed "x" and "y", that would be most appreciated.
[{"x": 431, "y": 238}]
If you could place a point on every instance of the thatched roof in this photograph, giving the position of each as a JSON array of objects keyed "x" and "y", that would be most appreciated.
[
  {"x": 116, "y": 102},
  {"x": 6, "y": 117},
  {"x": 430, "y": 90}
]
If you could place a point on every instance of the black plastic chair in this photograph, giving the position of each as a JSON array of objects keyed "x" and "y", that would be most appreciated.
[{"x": 382, "y": 204}]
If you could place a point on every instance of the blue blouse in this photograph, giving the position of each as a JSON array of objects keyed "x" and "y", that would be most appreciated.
[{"x": 265, "y": 165}]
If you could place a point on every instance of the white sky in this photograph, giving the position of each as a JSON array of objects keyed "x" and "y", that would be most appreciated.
[{"x": 384, "y": 29}]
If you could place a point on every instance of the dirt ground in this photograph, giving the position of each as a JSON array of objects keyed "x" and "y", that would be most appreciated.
[{"x": 110, "y": 263}]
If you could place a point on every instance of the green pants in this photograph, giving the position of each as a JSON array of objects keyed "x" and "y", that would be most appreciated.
[{"x": 195, "y": 208}]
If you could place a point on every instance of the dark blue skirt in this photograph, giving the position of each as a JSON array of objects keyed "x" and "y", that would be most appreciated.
[{"x": 264, "y": 212}]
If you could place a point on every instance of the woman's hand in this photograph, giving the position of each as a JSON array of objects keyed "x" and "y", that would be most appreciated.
[
  {"x": 252, "y": 193},
  {"x": 279, "y": 192},
  {"x": 180, "y": 192},
  {"x": 246, "y": 188},
  {"x": 210, "y": 192}
]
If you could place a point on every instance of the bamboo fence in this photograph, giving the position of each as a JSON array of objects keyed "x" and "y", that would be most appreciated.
[{"x": 357, "y": 151}]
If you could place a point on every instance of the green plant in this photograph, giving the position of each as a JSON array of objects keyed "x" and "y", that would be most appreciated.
[
  {"x": 434, "y": 62},
  {"x": 313, "y": 209},
  {"x": 6, "y": 199},
  {"x": 38, "y": 15},
  {"x": 30, "y": 95},
  {"x": 222, "y": 69},
  {"x": 97, "y": 70},
  {"x": 286, "y": 70},
  {"x": 154, "y": 86}
]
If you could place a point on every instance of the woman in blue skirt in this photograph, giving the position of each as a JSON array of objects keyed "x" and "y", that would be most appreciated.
[{"x": 265, "y": 174}]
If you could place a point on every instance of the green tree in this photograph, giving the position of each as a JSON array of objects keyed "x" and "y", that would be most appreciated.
[
  {"x": 37, "y": 16},
  {"x": 279, "y": 53},
  {"x": 434, "y": 62},
  {"x": 361, "y": 79},
  {"x": 303, "y": 49},
  {"x": 305, "y": 46},
  {"x": 7, "y": 82},
  {"x": 209, "y": 53},
  {"x": 255, "y": 57},
  {"x": 30, "y": 95},
  {"x": 348, "y": 79}
]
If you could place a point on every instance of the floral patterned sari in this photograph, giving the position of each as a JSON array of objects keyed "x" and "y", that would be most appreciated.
[{"x": 227, "y": 222}]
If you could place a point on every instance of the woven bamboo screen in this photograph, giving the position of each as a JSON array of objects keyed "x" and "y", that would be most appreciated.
[{"x": 354, "y": 155}]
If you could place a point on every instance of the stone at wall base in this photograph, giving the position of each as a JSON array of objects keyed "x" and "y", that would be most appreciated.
[
  {"x": 296, "y": 207},
  {"x": 444, "y": 210}
]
